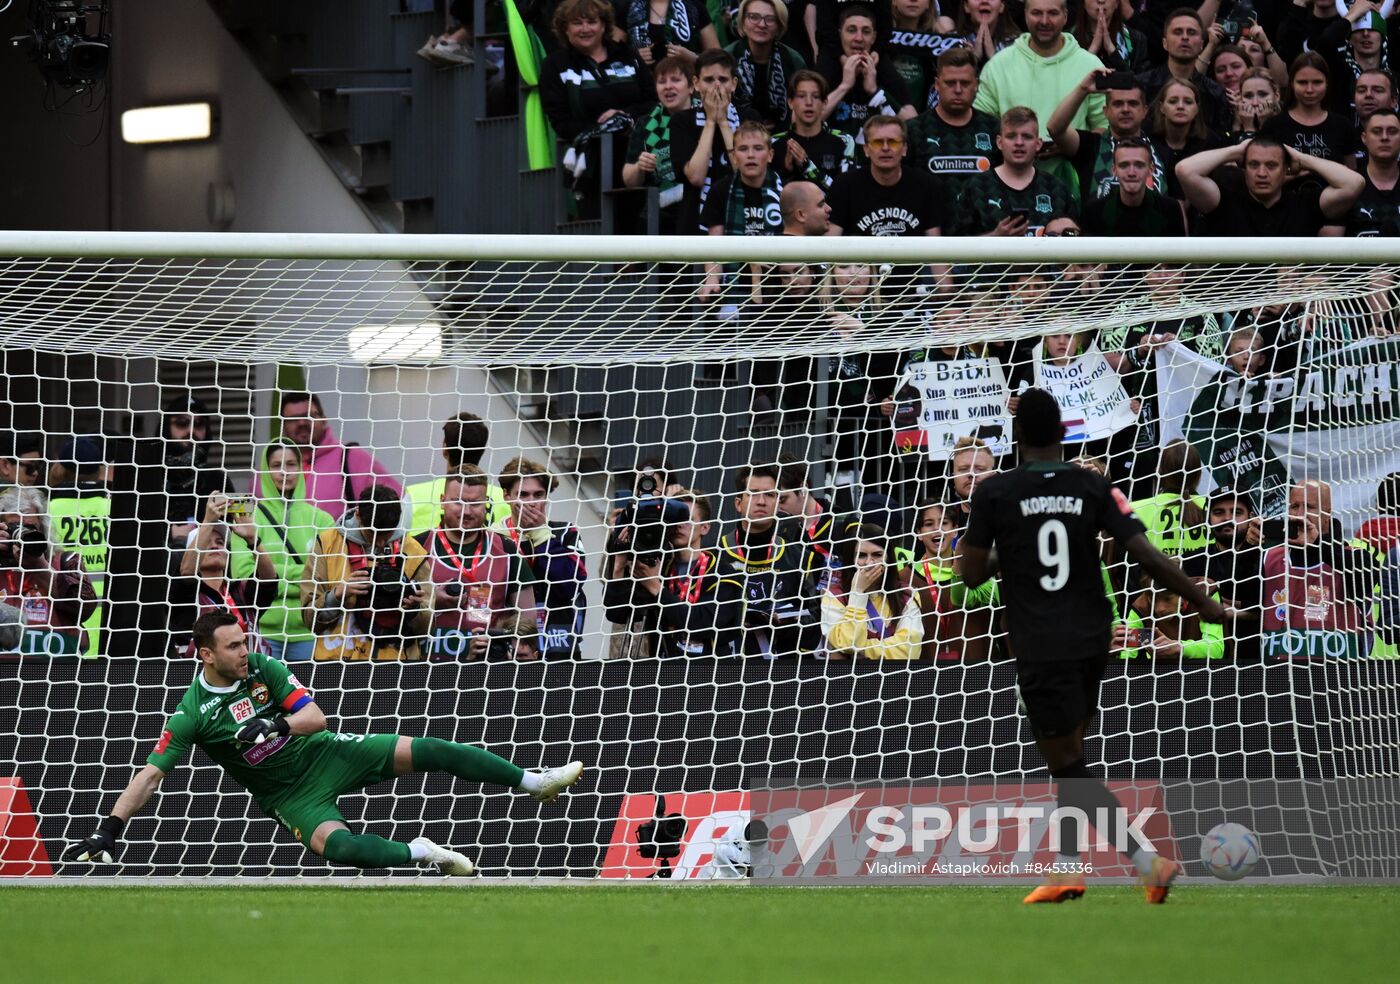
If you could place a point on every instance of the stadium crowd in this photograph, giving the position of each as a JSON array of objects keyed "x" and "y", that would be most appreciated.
[
  {"x": 898, "y": 118},
  {"x": 327, "y": 556},
  {"x": 1048, "y": 117}
]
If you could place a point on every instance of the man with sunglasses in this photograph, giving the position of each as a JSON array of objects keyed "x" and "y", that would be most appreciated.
[
  {"x": 886, "y": 198},
  {"x": 22, "y": 463}
]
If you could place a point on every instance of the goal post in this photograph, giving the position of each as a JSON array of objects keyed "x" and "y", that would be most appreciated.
[{"x": 1243, "y": 394}]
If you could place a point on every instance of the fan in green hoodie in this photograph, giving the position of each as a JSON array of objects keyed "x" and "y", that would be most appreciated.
[
  {"x": 1038, "y": 71},
  {"x": 287, "y": 526}
]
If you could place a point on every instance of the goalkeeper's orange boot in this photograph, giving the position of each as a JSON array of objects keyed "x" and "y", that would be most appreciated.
[
  {"x": 1058, "y": 887},
  {"x": 1158, "y": 882}
]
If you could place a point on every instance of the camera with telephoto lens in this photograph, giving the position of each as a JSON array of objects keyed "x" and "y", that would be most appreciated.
[
  {"x": 644, "y": 526},
  {"x": 660, "y": 838},
  {"x": 386, "y": 585},
  {"x": 23, "y": 540}
]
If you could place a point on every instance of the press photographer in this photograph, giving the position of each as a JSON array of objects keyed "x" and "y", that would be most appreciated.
[
  {"x": 662, "y": 583},
  {"x": 368, "y": 589},
  {"x": 49, "y": 588},
  {"x": 482, "y": 586}
]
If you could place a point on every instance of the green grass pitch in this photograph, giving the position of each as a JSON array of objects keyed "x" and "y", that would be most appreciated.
[{"x": 709, "y": 934}]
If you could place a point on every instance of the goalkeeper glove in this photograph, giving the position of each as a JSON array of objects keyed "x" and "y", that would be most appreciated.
[
  {"x": 101, "y": 846},
  {"x": 260, "y": 730}
]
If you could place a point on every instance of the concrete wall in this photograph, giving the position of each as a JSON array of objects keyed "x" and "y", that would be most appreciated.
[{"x": 177, "y": 50}]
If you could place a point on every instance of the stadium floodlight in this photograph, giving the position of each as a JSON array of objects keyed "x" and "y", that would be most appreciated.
[
  {"x": 177, "y": 123},
  {"x": 390, "y": 344}
]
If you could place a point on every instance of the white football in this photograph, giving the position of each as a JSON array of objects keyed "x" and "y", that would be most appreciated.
[{"x": 1230, "y": 851}]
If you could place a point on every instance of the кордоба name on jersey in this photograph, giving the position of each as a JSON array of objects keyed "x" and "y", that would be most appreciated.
[{"x": 1036, "y": 505}]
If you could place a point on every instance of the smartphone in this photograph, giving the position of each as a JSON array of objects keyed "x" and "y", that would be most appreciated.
[
  {"x": 1231, "y": 29},
  {"x": 1132, "y": 638},
  {"x": 1024, "y": 214},
  {"x": 1115, "y": 80},
  {"x": 239, "y": 507}
]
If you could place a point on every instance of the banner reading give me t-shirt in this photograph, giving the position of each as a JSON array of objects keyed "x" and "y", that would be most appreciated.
[{"x": 1093, "y": 403}]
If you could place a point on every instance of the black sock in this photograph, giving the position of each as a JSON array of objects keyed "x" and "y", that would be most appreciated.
[{"x": 1077, "y": 788}]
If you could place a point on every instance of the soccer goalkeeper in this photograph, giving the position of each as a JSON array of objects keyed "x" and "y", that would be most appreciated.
[{"x": 256, "y": 720}]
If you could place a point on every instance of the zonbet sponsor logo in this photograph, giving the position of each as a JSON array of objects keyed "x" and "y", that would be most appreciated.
[{"x": 954, "y": 831}]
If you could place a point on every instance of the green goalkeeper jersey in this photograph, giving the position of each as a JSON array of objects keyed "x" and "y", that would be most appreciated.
[{"x": 210, "y": 716}]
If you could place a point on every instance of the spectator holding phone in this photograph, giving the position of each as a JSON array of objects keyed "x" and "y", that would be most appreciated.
[
  {"x": 1015, "y": 198},
  {"x": 1160, "y": 625},
  {"x": 1183, "y": 39},
  {"x": 481, "y": 585},
  {"x": 1315, "y": 584},
  {"x": 669, "y": 29},
  {"x": 286, "y": 526},
  {"x": 1092, "y": 153},
  {"x": 208, "y": 559}
]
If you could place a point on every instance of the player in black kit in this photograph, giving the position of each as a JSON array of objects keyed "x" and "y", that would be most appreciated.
[{"x": 1039, "y": 525}]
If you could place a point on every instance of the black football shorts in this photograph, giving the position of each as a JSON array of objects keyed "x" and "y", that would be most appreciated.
[{"x": 1057, "y": 695}]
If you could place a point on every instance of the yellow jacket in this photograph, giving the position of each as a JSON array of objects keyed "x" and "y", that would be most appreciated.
[
  {"x": 338, "y": 633},
  {"x": 847, "y": 629}
]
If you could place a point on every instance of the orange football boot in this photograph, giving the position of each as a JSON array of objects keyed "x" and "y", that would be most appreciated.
[
  {"x": 1058, "y": 887},
  {"x": 1158, "y": 882}
]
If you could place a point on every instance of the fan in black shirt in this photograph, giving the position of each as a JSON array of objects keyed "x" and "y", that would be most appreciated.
[
  {"x": 1131, "y": 208},
  {"x": 1040, "y": 524},
  {"x": 1252, "y": 200},
  {"x": 1305, "y": 124},
  {"x": 1377, "y": 211}
]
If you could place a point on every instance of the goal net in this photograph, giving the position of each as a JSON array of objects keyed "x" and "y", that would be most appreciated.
[{"x": 699, "y": 535}]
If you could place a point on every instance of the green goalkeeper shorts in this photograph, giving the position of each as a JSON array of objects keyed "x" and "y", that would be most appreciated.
[{"x": 348, "y": 763}]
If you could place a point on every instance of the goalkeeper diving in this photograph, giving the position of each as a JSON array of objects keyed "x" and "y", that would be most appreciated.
[{"x": 253, "y": 717}]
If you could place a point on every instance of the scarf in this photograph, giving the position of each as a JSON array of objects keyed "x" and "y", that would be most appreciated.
[
  {"x": 576, "y": 162},
  {"x": 656, "y": 137},
  {"x": 675, "y": 26},
  {"x": 814, "y": 174},
  {"x": 777, "y": 78},
  {"x": 1123, "y": 45},
  {"x": 734, "y": 224},
  {"x": 1349, "y": 57}
]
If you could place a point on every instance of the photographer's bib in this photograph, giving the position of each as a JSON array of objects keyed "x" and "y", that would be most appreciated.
[{"x": 40, "y": 637}]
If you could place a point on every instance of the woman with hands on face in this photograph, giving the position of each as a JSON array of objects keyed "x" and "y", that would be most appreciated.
[{"x": 868, "y": 611}]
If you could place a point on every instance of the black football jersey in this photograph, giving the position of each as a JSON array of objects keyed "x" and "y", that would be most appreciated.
[{"x": 1044, "y": 519}]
